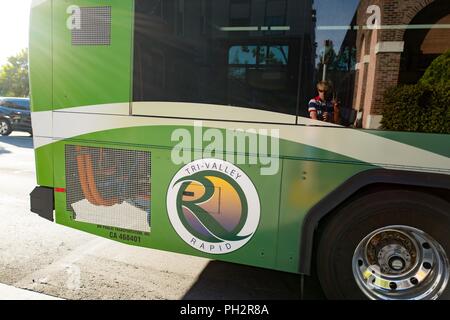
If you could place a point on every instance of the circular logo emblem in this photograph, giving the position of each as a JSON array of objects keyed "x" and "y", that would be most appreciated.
[{"x": 213, "y": 206}]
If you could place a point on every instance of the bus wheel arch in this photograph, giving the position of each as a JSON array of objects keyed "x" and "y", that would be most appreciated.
[
  {"x": 360, "y": 247},
  {"x": 362, "y": 185}
]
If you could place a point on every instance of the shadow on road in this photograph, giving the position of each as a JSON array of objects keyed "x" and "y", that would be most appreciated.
[
  {"x": 226, "y": 281},
  {"x": 18, "y": 141}
]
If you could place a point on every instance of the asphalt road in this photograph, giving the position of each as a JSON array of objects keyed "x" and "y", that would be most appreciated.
[{"x": 47, "y": 258}]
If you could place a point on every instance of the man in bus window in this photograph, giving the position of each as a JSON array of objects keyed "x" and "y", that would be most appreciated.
[{"x": 323, "y": 107}]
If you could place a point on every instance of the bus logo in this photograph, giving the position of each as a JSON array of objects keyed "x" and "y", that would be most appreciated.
[{"x": 213, "y": 206}]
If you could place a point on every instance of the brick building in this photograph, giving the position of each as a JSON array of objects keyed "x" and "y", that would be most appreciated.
[{"x": 410, "y": 35}]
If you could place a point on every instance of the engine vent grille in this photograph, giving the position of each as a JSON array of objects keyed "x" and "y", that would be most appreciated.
[
  {"x": 109, "y": 187},
  {"x": 95, "y": 27}
]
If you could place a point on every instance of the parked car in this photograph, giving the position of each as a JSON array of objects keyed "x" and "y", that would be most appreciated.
[{"x": 15, "y": 115}]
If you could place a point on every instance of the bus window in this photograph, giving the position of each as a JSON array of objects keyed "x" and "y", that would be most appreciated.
[{"x": 239, "y": 54}]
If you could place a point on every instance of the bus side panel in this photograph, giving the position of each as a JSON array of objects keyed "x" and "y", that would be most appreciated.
[
  {"x": 304, "y": 184},
  {"x": 40, "y": 56},
  {"x": 260, "y": 251},
  {"x": 44, "y": 165},
  {"x": 92, "y": 64},
  {"x": 155, "y": 140},
  {"x": 41, "y": 78}
]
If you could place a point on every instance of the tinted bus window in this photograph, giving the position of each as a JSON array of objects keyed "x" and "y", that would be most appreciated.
[
  {"x": 236, "y": 52},
  {"x": 271, "y": 54}
]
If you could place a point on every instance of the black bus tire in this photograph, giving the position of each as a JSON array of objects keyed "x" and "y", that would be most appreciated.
[{"x": 343, "y": 232}]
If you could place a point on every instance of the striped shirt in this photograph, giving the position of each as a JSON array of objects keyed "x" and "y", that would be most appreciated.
[{"x": 320, "y": 106}]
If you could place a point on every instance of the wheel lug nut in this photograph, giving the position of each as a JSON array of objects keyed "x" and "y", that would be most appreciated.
[
  {"x": 393, "y": 285},
  {"x": 426, "y": 245},
  {"x": 414, "y": 281},
  {"x": 427, "y": 265}
]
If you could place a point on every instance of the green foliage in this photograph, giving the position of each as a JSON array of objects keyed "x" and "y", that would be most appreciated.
[
  {"x": 438, "y": 73},
  {"x": 418, "y": 108},
  {"x": 14, "y": 76},
  {"x": 423, "y": 107}
]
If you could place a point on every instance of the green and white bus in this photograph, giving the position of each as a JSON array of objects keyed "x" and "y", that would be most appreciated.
[{"x": 199, "y": 127}]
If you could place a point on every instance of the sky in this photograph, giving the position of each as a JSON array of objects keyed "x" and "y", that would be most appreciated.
[
  {"x": 334, "y": 13},
  {"x": 14, "y": 23}
]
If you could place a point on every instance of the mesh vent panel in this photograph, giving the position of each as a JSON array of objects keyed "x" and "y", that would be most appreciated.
[
  {"x": 95, "y": 27},
  {"x": 109, "y": 187}
]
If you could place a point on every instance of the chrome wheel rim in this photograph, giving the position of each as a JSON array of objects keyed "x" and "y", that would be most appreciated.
[
  {"x": 3, "y": 127},
  {"x": 400, "y": 263}
]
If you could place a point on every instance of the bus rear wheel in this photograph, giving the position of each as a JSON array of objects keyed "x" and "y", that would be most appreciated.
[{"x": 390, "y": 245}]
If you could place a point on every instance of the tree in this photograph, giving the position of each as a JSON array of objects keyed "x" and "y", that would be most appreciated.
[
  {"x": 14, "y": 76},
  {"x": 422, "y": 107},
  {"x": 438, "y": 73}
]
